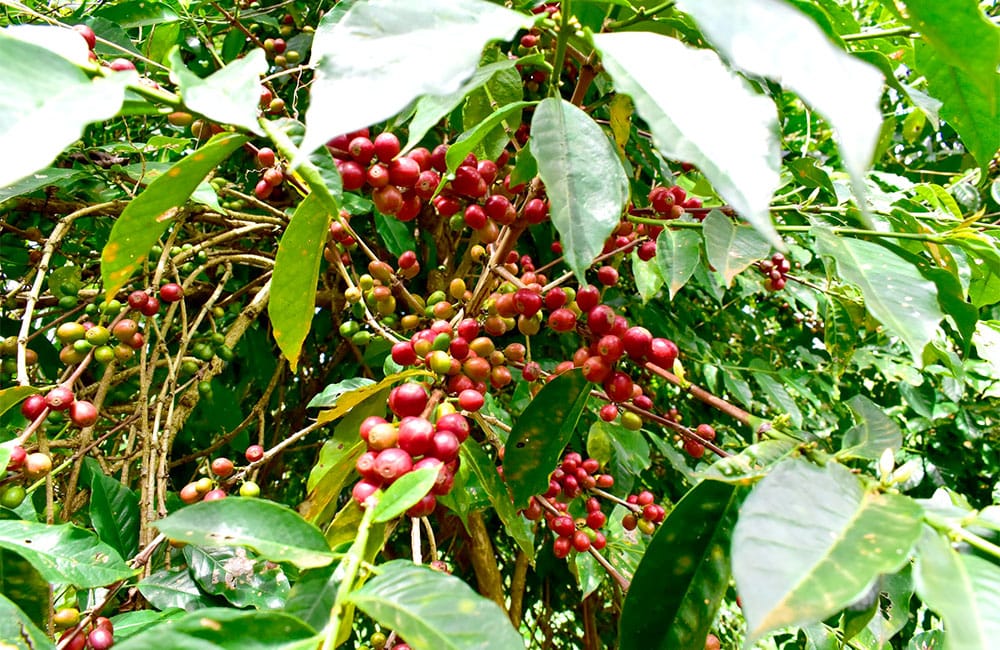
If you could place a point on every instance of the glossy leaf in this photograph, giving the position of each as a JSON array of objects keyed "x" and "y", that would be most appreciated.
[
  {"x": 64, "y": 554},
  {"x": 377, "y": 55},
  {"x": 230, "y": 95},
  {"x": 684, "y": 573},
  {"x": 131, "y": 623},
  {"x": 970, "y": 109},
  {"x": 433, "y": 610},
  {"x": 396, "y": 235},
  {"x": 963, "y": 37},
  {"x": 471, "y": 140},
  {"x": 678, "y": 253},
  {"x": 147, "y": 216},
  {"x": 583, "y": 176},
  {"x": 751, "y": 463},
  {"x": 738, "y": 155},
  {"x": 541, "y": 433},
  {"x": 275, "y": 532},
  {"x": 771, "y": 38},
  {"x": 175, "y": 588},
  {"x": 517, "y": 526},
  {"x": 321, "y": 502},
  {"x": 810, "y": 541},
  {"x": 346, "y": 401},
  {"x": 293, "y": 298},
  {"x": 329, "y": 395},
  {"x": 42, "y": 114},
  {"x": 243, "y": 580},
  {"x": 222, "y": 629},
  {"x": 17, "y": 631},
  {"x": 895, "y": 292},
  {"x": 114, "y": 510},
  {"x": 404, "y": 493},
  {"x": 731, "y": 249},
  {"x": 963, "y": 589},
  {"x": 22, "y": 584},
  {"x": 313, "y": 595},
  {"x": 13, "y": 396},
  {"x": 873, "y": 434},
  {"x": 37, "y": 180},
  {"x": 505, "y": 87}
]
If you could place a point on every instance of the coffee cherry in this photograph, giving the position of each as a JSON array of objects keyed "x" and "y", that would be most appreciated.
[
  {"x": 596, "y": 370},
  {"x": 386, "y": 146},
  {"x": 125, "y": 329},
  {"x": 637, "y": 342},
  {"x": 581, "y": 541},
  {"x": 392, "y": 463},
  {"x": 600, "y": 319},
  {"x": 254, "y": 453},
  {"x": 607, "y": 275},
  {"x": 82, "y": 414},
  {"x": 189, "y": 494},
  {"x": 608, "y": 412},
  {"x": 37, "y": 465},
  {"x": 222, "y": 467},
  {"x": 59, "y": 398},
  {"x": 631, "y": 421},
  {"x": 88, "y": 35},
  {"x": 121, "y": 65},
  {"x": 629, "y": 522},
  {"x": 137, "y": 299},
  {"x": 561, "y": 547},
  {"x": 33, "y": 407},
  {"x": 272, "y": 177},
  {"x": 470, "y": 400},
  {"x": 73, "y": 639},
  {"x": 618, "y": 386},
  {"x": 456, "y": 423},
  {"x": 596, "y": 519},
  {"x": 706, "y": 431},
  {"x": 204, "y": 485},
  {"x": 445, "y": 446},
  {"x": 562, "y": 320},
  {"x": 265, "y": 157},
  {"x": 214, "y": 495},
  {"x": 171, "y": 292},
  {"x": 712, "y": 642},
  {"x": 416, "y": 436},
  {"x": 363, "y": 489},
  {"x": 563, "y": 526},
  {"x": 587, "y": 298},
  {"x": 404, "y": 172},
  {"x": 663, "y": 352},
  {"x": 17, "y": 458},
  {"x": 408, "y": 399},
  {"x": 694, "y": 448},
  {"x": 646, "y": 527}
]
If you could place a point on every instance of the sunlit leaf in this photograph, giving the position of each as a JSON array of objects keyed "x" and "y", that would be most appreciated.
[
  {"x": 64, "y": 554},
  {"x": 228, "y": 96},
  {"x": 732, "y": 249}
]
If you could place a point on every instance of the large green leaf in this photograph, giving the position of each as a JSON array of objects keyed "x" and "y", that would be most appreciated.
[
  {"x": 42, "y": 114},
  {"x": 810, "y": 541},
  {"x": 375, "y": 60},
  {"x": 64, "y": 554},
  {"x": 472, "y": 139},
  {"x": 678, "y": 253},
  {"x": 541, "y": 433},
  {"x": 17, "y": 631},
  {"x": 517, "y": 526},
  {"x": 895, "y": 292},
  {"x": 147, "y": 216},
  {"x": 293, "y": 296},
  {"x": 583, "y": 176},
  {"x": 731, "y": 249},
  {"x": 873, "y": 434},
  {"x": 175, "y": 588},
  {"x": 434, "y": 611},
  {"x": 738, "y": 154},
  {"x": 404, "y": 493},
  {"x": 21, "y": 583},
  {"x": 963, "y": 37},
  {"x": 275, "y": 532},
  {"x": 503, "y": 88},
  {"x": 313, "y": 595},
  {"x": 131, "y": 623},
  {"x": 39, "y": 179},
  {"x": 963, "y": 589},
  {"x": 222, "y": 629},
  {"x": 771, "y": 38},
  {"x": 243, "y": 580},
  {"x": 228, "y": 96},
  {"x": 970, "y": 109},
  {"x": 648, "y": 277},
  {"x": 114, "y": 510},
  {"x": 684, "y": 573}
]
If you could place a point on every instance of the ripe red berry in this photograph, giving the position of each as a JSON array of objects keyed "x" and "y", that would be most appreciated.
[
  {"x": 475, "y": 216},
  {"x": 596, "y": 369},
  {"x": 254, "y": 453},
  {"x": 561, "y": 546},
  {"x": 408, "y": 399},
  {"x": 386, "y": 146},
  {"x": 33, "y": 407},
  {"x": 17, "y": 457},
  {"x": 587, "y": 297},
  {"x": 262, "y": 190},
  {"x": 214, "y": 495},
  {"x": 392, "y": 463},
  {"x": 121, "y": 64},
  {"x": 387, "y": 199},
  {"x": 600, "y": 319},
  {"x": 362, "y": 150},
  {"x": 607, "y": 275},
  {"x": 352, "y": 175},
  {"x": 171, "y": 292},
  {"x": 694, "y": 448},
  {"x": 404, "y": 172},
  {"x": 82, "y": 414},
  {"x": 222, "y": 467},
  {"x": 536, "y": 211},
  {"x": 706, "y": 431},
  {"x": 608, "y": 412},
  {"x": 610, "y": 347},
  {"x": 470, "y": 400},
  {"x": 88, "y": 35},
  {"x": 416, "y": 436},
  {"x": 138, "y": 299},
  {"x": 562, "y": 320},
  {"x": 364, "y": 489},
  {"x": 445, "y": 446},
  {"x": 59, "y": 398},
  {"x": 265, "y": 157},
  {"x": 563, "y": 526},
  {"x": 596, "y": 519},
  {"x": 422, "y": 508},
  {"x": 455, "y": 423},
  {"x": 273, "y": 177},
  {"x": 663, "y": 352},
  {"x": 618, "y": 386}
]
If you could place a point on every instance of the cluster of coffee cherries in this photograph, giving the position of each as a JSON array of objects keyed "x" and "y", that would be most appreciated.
[
  {"x": 411, "y": 442},
  {"x": 100, "y": 637},
  {"x": 212, "y": 489},
  {"x": 571, "y": 480},
  {"x": 21, "y": 466},
  {"x": 271, "y": 176},
  {"x": 8, "y": 356},
  {"x": 668, "y": 203},
  {"x": 645, "y": 514},
  {"x": 695, "y": 448},
  {"x": 776, "y": 270}
]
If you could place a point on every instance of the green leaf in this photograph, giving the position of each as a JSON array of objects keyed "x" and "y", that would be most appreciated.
[
  {"x": 138, "y": 13},
  {"x": 962, "y": 36},
  {"x": 21, "y": 583},
  {"x": 731, "y": 249},
  {"x": 230, "y": 95},
  {"x": 471, "y": 139},
  {"x": 517, "y": 526},
  {"x": 770, "y": 38},
  {"x": 322, "y": 498},
  {"x": 378, "y": 55},
  {"x": 275, "y": 532},
  {"x": 679, "y": 584},
  {"x": 39, "y": 179},
  {"x": 963, "y": 589},
  {"x": 147, "y": 216},
  {"x": 64, "y": 554},
  {"x": 430, "y": 109},
  {"x": 18, "y": 631},
  {"x": 293, "y": 296},
  {"x": 840, "y": 336},
  {"x": 968, "y": 108},
  {"x": 114, "y": 510},
  {"x": 396, "y": 235},
  {"x": 677, "y": 253},
  {"x": 895, "y": 292},
  {"x": 583, "y": 176},
  {"x": 541, "y": 433},
  {"x": 648, "y": 278},
  {"x": 505, "y": 87},
  {"x": 873, "y": 434},
  {"x": 222, "y": 629},
  {"x": 739, "y": 155},
  {"x": 807, "y": 172},
  {"x": 329, "y": 395},
  {"x": 810, "y": 541},
  {"x": 131, "y": 623},
  {"x": 175, "y": 588},
  {"x": 779, "y": 397},
  {"x": 404, "y": 493},
  {"x": 11, "y": 397},
  {"x": 752, "y": 463},
  {"x": 313, "y": 596},
  {"x": 242, "y": 580},
  {"x": 434, "y": 611},
  {"x": 349, "y": 400},
  {"x": 42, "y": 114}
]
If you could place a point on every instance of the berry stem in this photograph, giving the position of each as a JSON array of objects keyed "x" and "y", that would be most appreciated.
[
  {"x": 622, "y": 502},
  {"x": 639, "y": 16},
  {"x": 416, "y": 553}
]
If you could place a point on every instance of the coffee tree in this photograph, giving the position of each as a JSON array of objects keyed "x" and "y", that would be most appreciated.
[{"x": 469, "y": 324}]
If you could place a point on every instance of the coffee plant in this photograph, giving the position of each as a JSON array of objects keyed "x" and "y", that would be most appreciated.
[{"x": 479, "y": 324}]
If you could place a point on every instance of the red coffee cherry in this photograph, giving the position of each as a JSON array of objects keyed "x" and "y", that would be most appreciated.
[
  {"x": 254, "y": 453},
  {"x": 392, "y": 463},
  {"x": 607, "y": 275},
  {"x": 386, "y": 146},
  {"x": 82, "y": 414},
  {"x": 33, "y": 407},
  {"x": 222, "y": 467},
  {"x": 59, "y": 398},
  {"x": 171, "y": 292},
  {"x": 470, "y": 400},
  {"x": 408, "y": 399},
  {"x": 364, "y": 489}
]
